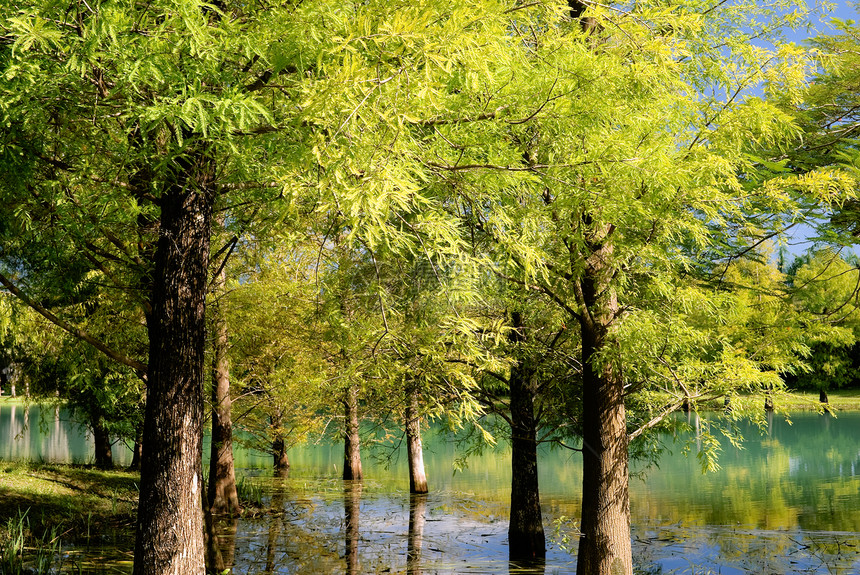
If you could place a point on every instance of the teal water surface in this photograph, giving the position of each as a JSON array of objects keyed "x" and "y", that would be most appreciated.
[{"x": 788, "y": 501}]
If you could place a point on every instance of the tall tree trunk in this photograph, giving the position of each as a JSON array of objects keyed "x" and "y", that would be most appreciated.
[
  {"x": 526, "y": 539},
  {"x": 101, "y": 439},
  {"x": 169, "y": 535},
  {"x": 414, "y": 450},
  {"x": 352, "y": 443},
  {"x": 604, "y": 548},
  {"x": 223, "y": 498},
  {"x": 279, "y": 447}
]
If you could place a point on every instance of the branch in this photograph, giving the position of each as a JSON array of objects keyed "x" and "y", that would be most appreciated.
[
  {"x": 443, "y": 121},
  {"x": 465, "y": 167},
  {"x": 657, "y": 419},
  {"x": 139, "y": 367}
]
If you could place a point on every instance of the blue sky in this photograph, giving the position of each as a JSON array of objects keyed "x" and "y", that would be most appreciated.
[
  {"x": 841, "y": 9},
  {"x": 821, "y": 18}
]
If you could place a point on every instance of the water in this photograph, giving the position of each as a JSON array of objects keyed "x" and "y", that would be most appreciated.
[
  {"x": 788, "y": 502},
  {"x": 48, "y": 435}
]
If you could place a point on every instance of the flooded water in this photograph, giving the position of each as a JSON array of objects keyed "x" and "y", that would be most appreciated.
[{"x": 788, "y": 502}]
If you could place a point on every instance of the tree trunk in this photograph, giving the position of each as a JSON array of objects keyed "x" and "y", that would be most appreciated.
[
  {"x": 137, "y": 450},
  {"x": 101, "y": 439},
  {"x": 414, "y": 450},
  {"x": 223, "y": 498},
  {"x": 822, "y": 396},
  {"x": 352, "y": 445},
  {"x": 279, "y": 448},
  {"x": 604, "y": 548},
  {"x": 169, "y": 536},
  {"x": 526, "y": 539}
]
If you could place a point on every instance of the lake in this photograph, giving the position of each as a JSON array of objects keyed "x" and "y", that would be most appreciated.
[{"x": 787, "y": 502}]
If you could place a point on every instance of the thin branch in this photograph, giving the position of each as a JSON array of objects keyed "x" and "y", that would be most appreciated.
[
  {"x": 656, "y": 420},
  {"x": 139, "y": 367}
]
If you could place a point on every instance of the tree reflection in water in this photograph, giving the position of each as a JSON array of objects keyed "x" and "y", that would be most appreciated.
[
  {"x": 351, "y": 518},
  {"x": 417, "y": 512}
]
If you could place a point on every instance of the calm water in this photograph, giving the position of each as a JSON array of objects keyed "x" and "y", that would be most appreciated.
[{"x": 788, "y": 502}]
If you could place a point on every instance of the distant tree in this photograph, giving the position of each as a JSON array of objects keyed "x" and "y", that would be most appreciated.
[{"x": 825, "y": 294}]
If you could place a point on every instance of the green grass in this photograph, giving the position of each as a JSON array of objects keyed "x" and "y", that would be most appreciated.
[
  {"x": 839, "y": 400},
  {"x": 18, "y": 400},
  {"x": 44, "y": 505},
  {"x": 75, "y": 497}
]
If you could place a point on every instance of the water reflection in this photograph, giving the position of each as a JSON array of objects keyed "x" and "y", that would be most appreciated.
[
  {"x": 533, "y": 567},
  {"x": 785, "y": 503},
  {"x": 417, "y": 512},
  {"x": 351, "y": 520},
  {"x": 31, "y": 433}
]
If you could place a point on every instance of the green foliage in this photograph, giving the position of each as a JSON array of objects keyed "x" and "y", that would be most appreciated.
[{"x": 825, "y": 296}]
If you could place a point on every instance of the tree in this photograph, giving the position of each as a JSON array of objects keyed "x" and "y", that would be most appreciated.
[
  {"x": 275, "y": 348},
  {"x": 153, "y": 149},
  {"x": 601, "y": 163},
  {"x": 824, "y": 291},
  {"x": 608, "y": 213}
]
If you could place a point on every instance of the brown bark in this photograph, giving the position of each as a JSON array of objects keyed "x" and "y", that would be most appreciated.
[
  {"x": 169, "y": 535},
  {"x": 414, "y": 449},
  {"x": 137, "y": 450},
  {"x": 279, "y": 449},
  {"x": 604, "y": 548},
  {"x": 352, "y": 442},
  {"x": 101, "y": 439},
  {"x": 223, "y": 497},
  {"x": 526, "y": 538}
]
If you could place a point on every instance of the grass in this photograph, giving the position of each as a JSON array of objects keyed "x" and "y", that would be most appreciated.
[
  {"x": 839, "y": 400},
  {"x": 68, "y": 498},
  {"x": 17, "y": 400},
  {"x": 43, "y": 506}
]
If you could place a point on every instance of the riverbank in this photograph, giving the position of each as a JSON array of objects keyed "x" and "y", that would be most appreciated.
[
  {"x": 42, "y": 504},
  {"x": 838, "y": 400},
  {"x": 17, "y": 400}
]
